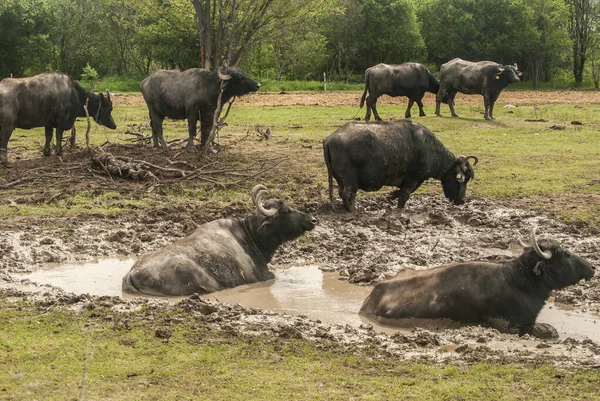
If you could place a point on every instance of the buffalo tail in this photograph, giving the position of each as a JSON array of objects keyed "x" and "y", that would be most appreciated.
[
  {"x": 364, "y": 95},
  {"x": 329, "y": 176}
]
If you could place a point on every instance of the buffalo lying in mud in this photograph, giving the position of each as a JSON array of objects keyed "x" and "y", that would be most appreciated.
[
  {"x": 481, "y": 292},
  {"x": 408, "y": 79},
  {"x": 220, "y": 254},
  {"x": 49, "y": 100},
  {"x": 485, "y": 78},
  {"x": 402, "y": 154},
  {"x": 191, "y": 94}
]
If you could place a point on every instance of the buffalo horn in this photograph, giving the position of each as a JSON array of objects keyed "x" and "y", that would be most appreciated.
[
  {"x": 255, "y": 191},
  {"x": 536, "y": 247},
  {"x": 516, "y": 66},
  {"x": 222, "y": 72},
  {"x": 260, "y": 207},
  {"x": 524, "y": 245},
  {"x": 500, "y": 68},
  {"x": 108, "y": 94},
  {"x": 463, "y": 163}
]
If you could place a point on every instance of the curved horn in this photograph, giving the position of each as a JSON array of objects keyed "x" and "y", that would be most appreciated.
[
  {"x": 536, "y": 247},
  {"x": 524, "y": 245},
  {"x": 222, "y": 72},
  {"x": 500, "y": 68},
  {"x": 255, "y": 191},
  {"x": 260, "y": 207},
  {"x": 463, "y": 163}
]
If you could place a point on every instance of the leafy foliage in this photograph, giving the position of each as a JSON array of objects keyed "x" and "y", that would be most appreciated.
[{"x": 297, "y": 40}]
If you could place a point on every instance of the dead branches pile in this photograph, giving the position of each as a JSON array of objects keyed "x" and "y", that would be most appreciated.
[{"x": 214, "y": 172}]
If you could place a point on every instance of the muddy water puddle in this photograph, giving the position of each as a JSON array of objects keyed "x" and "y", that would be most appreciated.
[{"x": 297, "y": 290}]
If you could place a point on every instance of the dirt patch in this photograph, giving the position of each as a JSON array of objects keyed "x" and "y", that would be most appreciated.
[{"x": 507, "y": 97}]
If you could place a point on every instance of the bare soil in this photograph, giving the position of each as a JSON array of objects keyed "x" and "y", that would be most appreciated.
[
  {"x": 513, "y": 97},
  {"x": 364, "y": 248}
]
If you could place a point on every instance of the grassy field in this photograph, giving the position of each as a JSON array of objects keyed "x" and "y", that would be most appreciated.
[
  {"x": 63, "y": 355},
  {"x": 54, "y": 354},
  {"x": 518, "y": 158}
]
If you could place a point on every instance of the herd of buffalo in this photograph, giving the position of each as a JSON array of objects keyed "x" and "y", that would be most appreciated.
[{"x": 229, "y": 252}]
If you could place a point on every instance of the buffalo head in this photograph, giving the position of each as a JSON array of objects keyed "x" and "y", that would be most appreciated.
[
  {"x": 278, "y": 219},
  {"x": 454, "y": 181},
  {"x": 509, "y": 73},
  {"x": 237, "y": 83},
  {"x": 102, "y": 111},
  {"x": 557, "y": 267}
]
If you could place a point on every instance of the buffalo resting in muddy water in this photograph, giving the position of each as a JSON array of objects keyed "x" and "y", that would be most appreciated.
[
  {"x": 409, "y": 79},
  {"x": 49, "y": 100},
  {"x": 485, "y": 78},
  {"x": 220, "y": 254},
  {"x": 191, "y": 94},
  {"x": 511, "y": 292},
  {"x": 401, "y": 154}
]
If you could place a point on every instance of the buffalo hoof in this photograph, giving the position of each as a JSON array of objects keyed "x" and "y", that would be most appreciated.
[
  {"x": 454, "y": 115},
  {"x": 488, "y": 118},
  {"x": 407, "y": 116},
  {"x": 191, "y": 149},
  {"x": 47, "y": 152},
  {"x": 422, "y": 115},
  {"x": 544, "y": 331},
  {"x": 5, "y": 164},
  {"x": 438, "y": 114}
]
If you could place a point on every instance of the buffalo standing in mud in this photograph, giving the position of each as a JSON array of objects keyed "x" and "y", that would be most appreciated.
[
  {"x": 485, "y": 78},
  {"x": 401, "y": 154},
  {"x": 408, "y": 79},
  {"x": 481, "y": 292},
  {"x": 49, "y": 100},
  {"x": 191, "y": 94},
  {"x": 220, "y": 254}
]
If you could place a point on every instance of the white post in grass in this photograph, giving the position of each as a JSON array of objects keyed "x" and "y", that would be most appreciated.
[{"x": 325, "y": 81}]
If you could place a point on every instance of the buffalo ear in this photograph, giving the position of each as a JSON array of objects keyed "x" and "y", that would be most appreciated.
[
  {"x": 537, "y": 269},
  {"x": 263, "y": 226}
]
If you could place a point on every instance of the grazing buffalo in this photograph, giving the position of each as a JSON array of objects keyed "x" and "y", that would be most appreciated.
[
  {"x": 191, "y": 94},
  {"x": 475, "y": 292},
  {"x": 401, "y": 154},
  {"x": 409, "y": 79},
  {"x": 49, "y": 100},
  {"x": 485, "y": 78},
  {"x": 220, "y": 254}
]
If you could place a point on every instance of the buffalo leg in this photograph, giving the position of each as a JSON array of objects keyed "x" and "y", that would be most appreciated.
[
  {"x": 372, "y": 103},
  {"x": 410, "y": 105},
  {"x": 192, "y": 126},
  {"x": 442, "y": 93},
  {"x": 5, "y": 132},
  {"x": 48, "y": 141},
  {"x": 59, "y": 135},
  {"x": 205, "y": 128},
  {"x": 486, "y": 105},
  {"x": 348, "y": 195},
  {"x": 368, "y": 113},
  {"x": 493, "y": 99},
  {"x": 451, "y": 96},
  {"x": 421, "y": 111},
  {"x": 156, "y": 123}
]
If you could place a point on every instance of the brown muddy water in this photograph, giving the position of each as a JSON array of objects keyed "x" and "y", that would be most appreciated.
[{"x": 297, "y": 290}]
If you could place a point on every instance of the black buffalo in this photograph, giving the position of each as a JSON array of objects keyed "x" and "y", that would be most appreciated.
[
  {"x": 485, "y": 78},
  {"x": 191, "y": 94},
  {"x": 408, "y": 79},
  {"x": 50, "y": 100},
  {"x": 401, "y": 154},
  {"x": 220, "y": 254},
  {"x": 482, "y": 292}
]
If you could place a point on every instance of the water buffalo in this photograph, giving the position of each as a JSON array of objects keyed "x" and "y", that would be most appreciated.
[
  {"x": 220, "y": 254},
  {"x": 50, "y": 100},
  {"x": 191, "y": 94},
  {"x": 408, "y": 79},
  {"x": 485, "y": 78},
  {"x": 481, "y": 292},
  {"x": 401, "y": 154}
]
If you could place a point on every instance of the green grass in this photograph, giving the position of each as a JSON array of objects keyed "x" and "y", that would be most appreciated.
[
  {"x": 55, "y": 354},
  {"x": 517, "y": 158}
]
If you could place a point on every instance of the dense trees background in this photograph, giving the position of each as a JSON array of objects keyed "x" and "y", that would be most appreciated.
[{"x": 298, "y": 39}]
